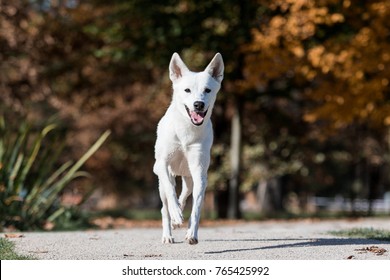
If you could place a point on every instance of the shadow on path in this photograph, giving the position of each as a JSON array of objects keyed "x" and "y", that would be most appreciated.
[{"x": 299, "y": 242}]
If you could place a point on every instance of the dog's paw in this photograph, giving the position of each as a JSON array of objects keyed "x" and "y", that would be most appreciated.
[
  {"x": 192, "y": 240},
  {"x": 176, "y": 216},
  {"x": 167, "y": 240},
  {"x": 175, "y": 226},
  {"x": 182, "y": 204}
]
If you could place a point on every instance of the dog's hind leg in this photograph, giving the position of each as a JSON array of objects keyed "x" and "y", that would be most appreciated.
[{"x": 187, "y": 186}]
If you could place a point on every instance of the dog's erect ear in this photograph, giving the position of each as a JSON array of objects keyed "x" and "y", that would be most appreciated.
[
  {"x": 216, "y": 67},
  {"x": 177, "y": 68}
]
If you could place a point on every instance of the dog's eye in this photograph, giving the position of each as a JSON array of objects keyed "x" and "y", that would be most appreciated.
[
  {"x": 187, "y": 90},
  {"x": 207, "y": 90}
]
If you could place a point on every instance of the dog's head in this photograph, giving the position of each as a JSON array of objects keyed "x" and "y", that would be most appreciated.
[{"x": 194, "y": 94}]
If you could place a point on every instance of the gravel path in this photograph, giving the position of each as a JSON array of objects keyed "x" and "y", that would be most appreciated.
[{"x": 272, "y": 240}]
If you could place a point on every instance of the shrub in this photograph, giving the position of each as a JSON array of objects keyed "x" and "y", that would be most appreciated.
[{"x": 31, "y": 177}]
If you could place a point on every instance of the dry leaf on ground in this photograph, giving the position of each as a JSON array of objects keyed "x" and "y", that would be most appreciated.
[
  {"x": 13, "y": 235},
  {"x": 373, "y": 249},
  {"x": 153, "y": 256},
  {"x": 39, "y": 252},
  {"x": 128, "y": 255}
]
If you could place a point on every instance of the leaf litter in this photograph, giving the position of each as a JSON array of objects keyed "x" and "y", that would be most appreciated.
[
  {"x": 373, "y": 249},
  {"x": 13, "y": 235}
]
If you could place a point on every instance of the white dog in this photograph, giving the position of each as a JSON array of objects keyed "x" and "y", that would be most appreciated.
[{"x": 184, "y": 139}]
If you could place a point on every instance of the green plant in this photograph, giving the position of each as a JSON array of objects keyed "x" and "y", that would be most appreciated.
[
  {"x": 369, "y": 233},
  {"x": 7, "y": 251},
  {"x": 31, "y": 178}
]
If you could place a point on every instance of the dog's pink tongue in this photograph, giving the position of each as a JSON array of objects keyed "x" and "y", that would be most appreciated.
[{"x": 197, "y": 118}]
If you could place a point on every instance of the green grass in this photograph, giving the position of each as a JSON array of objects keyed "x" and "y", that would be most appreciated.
[
  {"x": 283, "y": 215},
  {"x": 32, "y": 177},
  {"x": 146, "y": 214},
  {"x": 7, "y": 251},
  {"x": 132, "y": 214},
  {"x": 368, "y": 233}
]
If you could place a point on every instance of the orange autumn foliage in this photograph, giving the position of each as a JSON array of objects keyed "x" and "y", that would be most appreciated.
[{"x": 336, "y": 53}]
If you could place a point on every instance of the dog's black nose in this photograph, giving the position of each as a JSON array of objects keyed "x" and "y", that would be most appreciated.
[{"x": 199, "y": 105}]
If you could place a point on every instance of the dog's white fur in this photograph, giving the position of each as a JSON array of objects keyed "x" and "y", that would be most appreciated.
[{"x": 184, "y": 139}]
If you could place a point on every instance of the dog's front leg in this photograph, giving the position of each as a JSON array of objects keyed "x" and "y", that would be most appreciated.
[
  {"x": 200, "y": 184},
  {"x": 166, "y": 219},
  {"x": 171, "y": 212},
  {"x": 168, "y": 184},
  {"x": 198, "y": 164},
  {"x": 187, "y": 186}
]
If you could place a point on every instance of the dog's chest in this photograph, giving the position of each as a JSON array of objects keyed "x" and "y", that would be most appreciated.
[
  {"x": 186, "y": 142},
  {"x": 178, "y": 164},
  {"x": 187, "y": 134}
]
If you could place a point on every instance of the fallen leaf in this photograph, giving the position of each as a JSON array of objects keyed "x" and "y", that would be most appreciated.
[
  {"x": 378, "y": 251},
  {"x": 94, "y": 238},
  {"x": 48, "y": 226},
  {"x": 128, "y": 255},
  {"x": 153, "y": 256},
  {"x": 13, "y": 235},
  {"x": 39, "y": 252},
  {"x": 373, "y": 249}
]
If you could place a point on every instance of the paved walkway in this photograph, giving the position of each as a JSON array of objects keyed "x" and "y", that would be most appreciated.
[{"x": 273, "y": 240}]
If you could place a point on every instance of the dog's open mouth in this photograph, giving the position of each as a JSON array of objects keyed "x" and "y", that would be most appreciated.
[{"x": 196, "y": 117}]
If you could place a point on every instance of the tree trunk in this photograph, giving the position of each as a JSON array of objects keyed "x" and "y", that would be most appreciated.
[{"x": 235, "y": 162}]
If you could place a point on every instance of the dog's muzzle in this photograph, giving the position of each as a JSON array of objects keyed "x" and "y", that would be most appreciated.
[{"x": 196, "y": 116}]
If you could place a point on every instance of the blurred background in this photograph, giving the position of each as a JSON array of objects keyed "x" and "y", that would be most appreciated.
[{"x": 301, "y": 124}]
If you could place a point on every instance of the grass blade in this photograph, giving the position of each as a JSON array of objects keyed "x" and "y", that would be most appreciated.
[
  {"x": 34, "y": 153},
  {"x": 14, "y": 174},
  {"x": 32, "y": 202},
  {"x": 30, "y": 182},
  {"x": 69, "y": 176}
]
